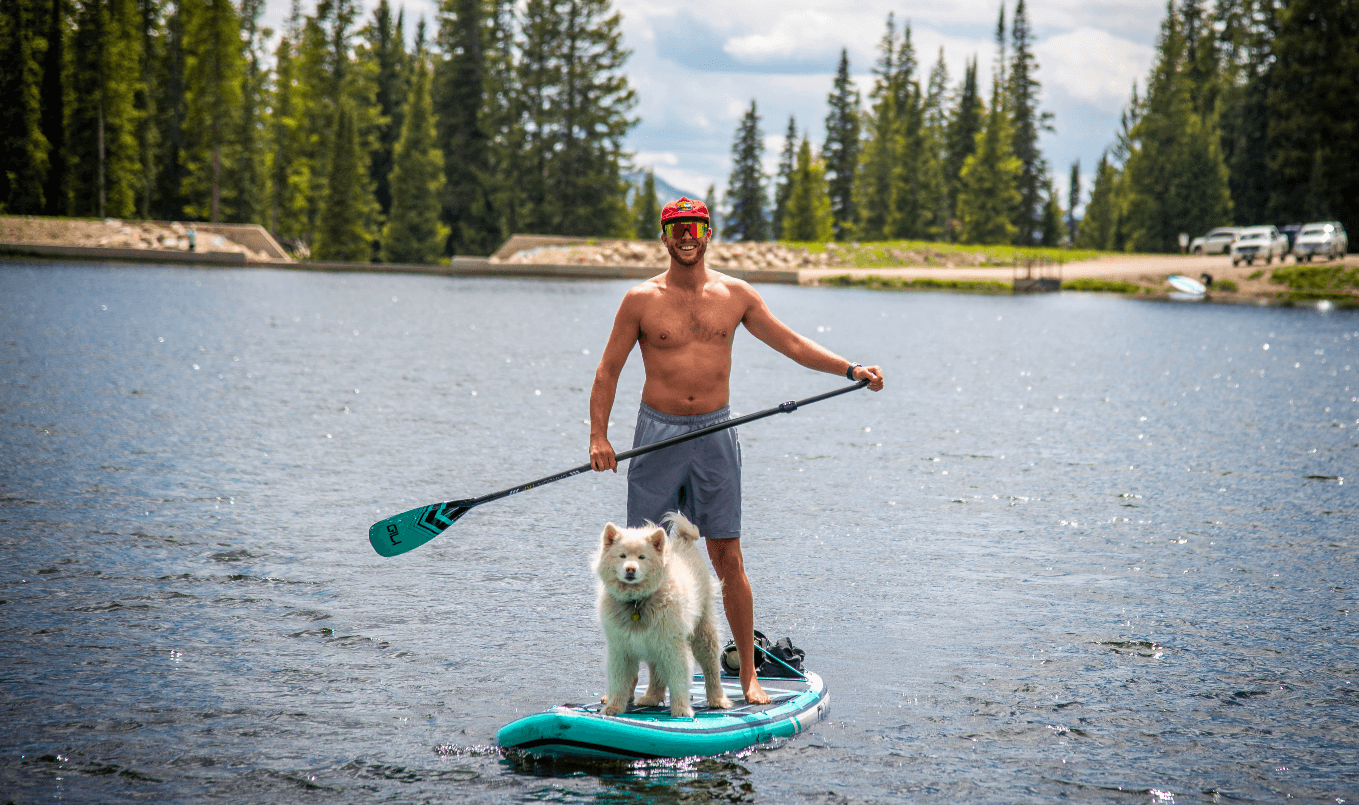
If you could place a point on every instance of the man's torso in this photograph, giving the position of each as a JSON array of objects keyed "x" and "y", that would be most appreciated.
[{"x": 686, "y": 337}]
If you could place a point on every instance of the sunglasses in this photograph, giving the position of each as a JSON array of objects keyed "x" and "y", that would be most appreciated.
[{"x": 673, "y": 231}]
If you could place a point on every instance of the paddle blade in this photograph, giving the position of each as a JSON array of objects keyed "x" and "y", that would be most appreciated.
[{"x": 411, "y": 529}]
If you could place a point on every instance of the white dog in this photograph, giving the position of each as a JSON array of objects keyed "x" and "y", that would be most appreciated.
[{"x": 656, "y": 605}]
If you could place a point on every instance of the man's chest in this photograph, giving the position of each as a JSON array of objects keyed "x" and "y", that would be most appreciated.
[{"x": 672, "y": 327}]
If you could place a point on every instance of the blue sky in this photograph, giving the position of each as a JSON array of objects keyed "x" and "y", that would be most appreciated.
[{"x": 696, "y": 67}]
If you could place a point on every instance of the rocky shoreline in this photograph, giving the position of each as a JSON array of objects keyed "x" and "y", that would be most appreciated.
[
  {"x": 164, "y": 236},
  {"x": 912, "y": 266}
]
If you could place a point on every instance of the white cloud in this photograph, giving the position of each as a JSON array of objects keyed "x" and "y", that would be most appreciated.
[
  {"x": 650, "y": 159},
  {"x": 1093, "y": 65},
  {"x": 795, "y": 36}
]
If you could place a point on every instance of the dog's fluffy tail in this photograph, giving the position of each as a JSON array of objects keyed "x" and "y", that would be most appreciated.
[{"x": 681, "y": 527}]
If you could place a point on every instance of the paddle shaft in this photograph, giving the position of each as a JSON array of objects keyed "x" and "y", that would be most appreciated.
[
  {"x": 783, "y": 408},
  {"x": 411, "y": 529}
]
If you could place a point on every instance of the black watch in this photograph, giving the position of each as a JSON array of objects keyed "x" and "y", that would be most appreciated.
[{"x": 849, "y": 373}]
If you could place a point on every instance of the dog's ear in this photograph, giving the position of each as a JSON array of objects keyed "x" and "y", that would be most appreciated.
[
  {"x": 610, "y": 534},
  {"x": 657, "y": 540}
]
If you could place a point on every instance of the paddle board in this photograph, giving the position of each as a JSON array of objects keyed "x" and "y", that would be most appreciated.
[
  {"x": 582, "y": 730},
  {"x": 1186, "y": 284}
]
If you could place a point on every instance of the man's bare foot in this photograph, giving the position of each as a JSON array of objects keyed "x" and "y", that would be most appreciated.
[{"x": 754, "y": 693}]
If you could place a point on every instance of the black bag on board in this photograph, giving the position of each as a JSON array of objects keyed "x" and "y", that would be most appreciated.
[{"x": 779, "y": 660}]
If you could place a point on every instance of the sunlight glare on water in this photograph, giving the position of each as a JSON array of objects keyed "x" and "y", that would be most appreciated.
[{"x": 1081, "y": 547}]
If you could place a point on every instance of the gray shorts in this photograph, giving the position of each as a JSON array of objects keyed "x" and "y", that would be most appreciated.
[{"x": 700, "y": 479}]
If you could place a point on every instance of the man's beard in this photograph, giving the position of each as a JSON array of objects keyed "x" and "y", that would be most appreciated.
[{"x": 698, "y": 253}]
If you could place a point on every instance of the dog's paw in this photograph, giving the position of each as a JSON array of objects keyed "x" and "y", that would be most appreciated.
[
  {"x": 649, "y": 700},
  {"x": 721, "y": 703},
  {"x": 679, "y": 711},
  {"x": 614, "y": 709}
]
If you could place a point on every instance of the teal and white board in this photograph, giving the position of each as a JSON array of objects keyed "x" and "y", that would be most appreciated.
[
  {"x": 582, "y": 730},
  {"x": 1187, "y": 285}
]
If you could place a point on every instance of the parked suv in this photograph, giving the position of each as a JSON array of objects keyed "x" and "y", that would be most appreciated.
[
  {"x": 1217, "y": 241},
  {"x": 1259, "y": 243},
  {"x": 1325, "y": 237}
]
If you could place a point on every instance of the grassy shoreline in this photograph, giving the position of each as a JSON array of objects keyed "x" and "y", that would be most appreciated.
[{"x": 927, "y": 253}]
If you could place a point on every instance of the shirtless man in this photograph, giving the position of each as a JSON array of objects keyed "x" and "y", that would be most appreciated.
[{"x": 685, "y": 321}]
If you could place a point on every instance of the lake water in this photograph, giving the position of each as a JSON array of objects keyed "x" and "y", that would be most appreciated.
[{"x": 1082, "y": 548}]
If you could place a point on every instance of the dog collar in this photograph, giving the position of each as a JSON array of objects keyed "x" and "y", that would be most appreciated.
[{"x": 637, "y": 608}]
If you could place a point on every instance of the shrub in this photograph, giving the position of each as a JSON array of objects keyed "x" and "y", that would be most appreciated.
[
  {"x": 1225, "y": 285},
  {"x": 874, "y": 282},
  {"x": 1317, "y": 278},
  {"x": 1107, "y": 286}
]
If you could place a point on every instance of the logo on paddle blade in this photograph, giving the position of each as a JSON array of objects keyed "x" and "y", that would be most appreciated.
[{"x": 434, "y": 519}]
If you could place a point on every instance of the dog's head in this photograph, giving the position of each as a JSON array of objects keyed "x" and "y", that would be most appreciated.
[{"x": 631, "y": 557}]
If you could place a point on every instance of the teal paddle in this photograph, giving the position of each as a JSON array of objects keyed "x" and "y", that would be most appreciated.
[{"x": 411, "y": 529}]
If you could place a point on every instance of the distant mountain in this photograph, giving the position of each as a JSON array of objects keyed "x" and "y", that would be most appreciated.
[{"x": 665, "y": 192}]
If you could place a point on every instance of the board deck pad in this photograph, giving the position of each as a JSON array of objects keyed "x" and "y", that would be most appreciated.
[{"x": 582, "y": 730}]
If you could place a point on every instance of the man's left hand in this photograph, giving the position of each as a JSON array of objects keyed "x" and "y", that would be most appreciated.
[{"x": 873, "y": 374}]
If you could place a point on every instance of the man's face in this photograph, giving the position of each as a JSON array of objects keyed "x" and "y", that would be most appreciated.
[{"x": 683, "y": 242}]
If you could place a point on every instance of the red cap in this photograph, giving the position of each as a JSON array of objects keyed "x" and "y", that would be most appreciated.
[{"x": 684, "y": 208}]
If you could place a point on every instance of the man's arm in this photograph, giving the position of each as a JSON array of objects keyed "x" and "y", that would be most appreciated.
[
  {"x": 765, "y": 326},
  {"x": 626, "y": 327}
]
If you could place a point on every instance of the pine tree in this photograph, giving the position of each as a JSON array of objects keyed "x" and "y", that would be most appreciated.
[
  {"x": 934, "y": 179},
  {"x": 841, "y": 151},
  {"x": 783, "y": 180},
  {"x": 579, "y": 102},
  {"x": 1050, "y": 223},
  {"x": 341, "y": 230},
  {"x": 167, "y": 196},
  {"x": 22, "y": 142},
  {"x": 908, "y": 209},
  {"x": 745, "y": 187},
  {"x": 214, "y": 73},
  {"x": 250, "y": 174},
  {"x": 148, "y": 91},
  {"x": 103, "y": 125},
  {"x": 1176, "y": 179},
  {"x": 1313, "y": 120},
  {"x": 873, "y": 189},
  {"x": 1100, "y": 224},
  {"x": 1073, "y": 200},
  {"x": 290, "y": 177},
  {"x": 322, "y": 68},
  {"x": 462, "y": 106},
  {"x": 502, "y": 207},
  {"x": 964, "y": 123},
  {"x": 1026, "y": 122},
  {"x": 1246, "y": 70},
  {"x": 989, "y": 191},
  {"x": 55, "y": 66},
  {"x": 807, "y": 215},
  {"x": 414, "y": 233},
  {"x": 386, "y": 48},
  {"x": 646, "y": 210},
  {"x": 714, "y": 214}
]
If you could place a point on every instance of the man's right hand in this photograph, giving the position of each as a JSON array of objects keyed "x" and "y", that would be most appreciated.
[{"x": 601, "y": 455}]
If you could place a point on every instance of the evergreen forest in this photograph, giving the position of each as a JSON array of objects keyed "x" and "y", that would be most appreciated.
[
  {"x": 1249, "y": 115},
  {"x": 350, "y": 137}
]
